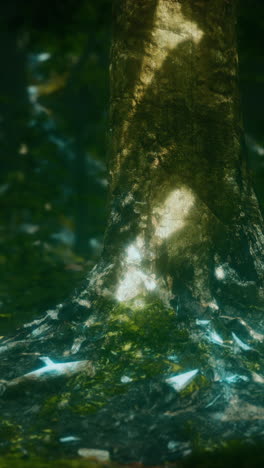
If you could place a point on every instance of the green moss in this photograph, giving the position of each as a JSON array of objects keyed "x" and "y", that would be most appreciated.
[
  {"x": 252, "y": 366},
  {"x": 48, "y": 416},
  {"x": 36, "y": 462},
  {"x": 50, "y": 407},
  {"x": 230, "y": 453},
  {"x": 136, "y": 345},
  {"x": 197, "y": 384},
  {"x": 152, "y": 326},
  {"x": 11, "y": 435},
  {"x": 9, "y": 430}
]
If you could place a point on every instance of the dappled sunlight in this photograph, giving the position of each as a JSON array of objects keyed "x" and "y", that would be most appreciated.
[
  {"x": 172, "y": 215},
  {"x": 133, "y": 254},
  {"x": 134, "y": 283},
  {"x": 170, "y": 29},
  {"x": 220, "y": 273}
]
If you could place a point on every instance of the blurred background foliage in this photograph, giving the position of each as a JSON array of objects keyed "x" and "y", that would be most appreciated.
[
  {"x": 53, "y": 121},
  {"x": 53, "y": 117}
]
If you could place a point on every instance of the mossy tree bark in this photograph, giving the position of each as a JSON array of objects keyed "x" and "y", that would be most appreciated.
[{"x": 184, "y": 221}]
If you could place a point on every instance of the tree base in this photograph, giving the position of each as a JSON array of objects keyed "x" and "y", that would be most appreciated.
[{"x": 161, "y": 383}]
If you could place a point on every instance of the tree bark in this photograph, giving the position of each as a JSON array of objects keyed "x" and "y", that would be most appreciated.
[{"x": 184, "y": 221}]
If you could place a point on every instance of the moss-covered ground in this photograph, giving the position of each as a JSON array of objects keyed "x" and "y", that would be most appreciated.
[{"x": 228, "y": 455}]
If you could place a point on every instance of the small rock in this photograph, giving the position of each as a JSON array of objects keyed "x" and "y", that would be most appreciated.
[
  {"x": 125, "y": 379},
  {"x": 99, "y": 455}
]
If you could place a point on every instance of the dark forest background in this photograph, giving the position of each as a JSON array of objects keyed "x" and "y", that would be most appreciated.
[{"x": 53, "y": 140}]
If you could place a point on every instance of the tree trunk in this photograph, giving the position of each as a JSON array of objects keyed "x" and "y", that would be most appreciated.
[{"x": 184, "y": 221}]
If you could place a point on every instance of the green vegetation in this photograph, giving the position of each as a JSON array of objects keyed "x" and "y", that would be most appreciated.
[
  {"x": 229, "y": 454},
  {"x": 53, "y": 101}
]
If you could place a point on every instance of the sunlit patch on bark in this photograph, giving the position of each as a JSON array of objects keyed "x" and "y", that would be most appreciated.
[
  {"x": 134, "y": 283},
  {"x": 133, "y": 254},
  {"x": 220, "y": 273},
  {"x": 83, "y": 302},
  {"x": 169, "y": 30},
  {"x": 172, "y": 215}
]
